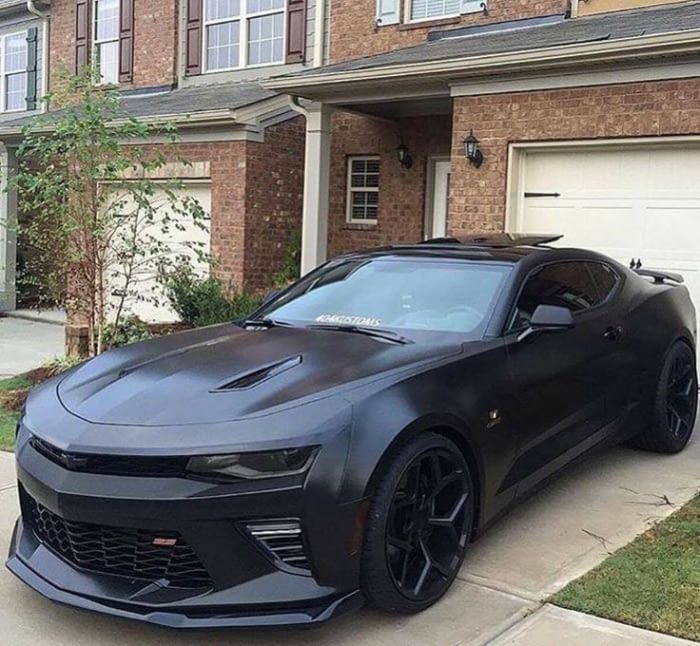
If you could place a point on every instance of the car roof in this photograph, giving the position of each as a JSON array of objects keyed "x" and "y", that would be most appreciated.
[{"x": 508, "y": 248}]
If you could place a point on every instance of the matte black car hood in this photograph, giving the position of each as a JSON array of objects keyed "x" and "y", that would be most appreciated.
[{"x": 225, "y": 373}]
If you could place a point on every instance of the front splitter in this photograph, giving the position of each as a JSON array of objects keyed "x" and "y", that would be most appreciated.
[{"x": 219, "y": 617}]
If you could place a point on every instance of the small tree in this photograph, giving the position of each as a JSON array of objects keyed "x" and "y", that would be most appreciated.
[{"x": 87, "y": 188}]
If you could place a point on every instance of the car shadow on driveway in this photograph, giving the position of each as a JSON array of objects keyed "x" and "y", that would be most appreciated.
[{"x": 563, "y": 531}]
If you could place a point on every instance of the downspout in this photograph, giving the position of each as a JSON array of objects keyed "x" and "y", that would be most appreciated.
[
  {"x": 319, "y": 32},
  {"x": 573, "y": 8},
  {"x": 45, "y": 44}
]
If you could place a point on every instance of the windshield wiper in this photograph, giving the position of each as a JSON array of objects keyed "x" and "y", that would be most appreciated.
[
  {"x": 377, "y": 333},
  {"x": 264, "y": 323}
]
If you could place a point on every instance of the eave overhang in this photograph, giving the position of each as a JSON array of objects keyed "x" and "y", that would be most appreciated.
[
  {"x": 435, "y": 77},
  {"x": 254, "y": 116}
]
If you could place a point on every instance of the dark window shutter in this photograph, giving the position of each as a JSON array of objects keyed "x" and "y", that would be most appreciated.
[
  {"x": 82, "y": 34},
  {"x": 32, "y": 76},
  {"x": 194, "y": 37},
  {"x": 296, "y": 31},
  {"x": 126, "y": 41}
]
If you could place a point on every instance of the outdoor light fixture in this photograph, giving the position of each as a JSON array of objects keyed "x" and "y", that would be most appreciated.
[
  {"x": 472, "y": 152},
  {"x": 404, "y": 156}
]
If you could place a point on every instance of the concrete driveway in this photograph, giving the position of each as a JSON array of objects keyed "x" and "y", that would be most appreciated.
[
  {"x": 26, "y": 344},
  {"x": 554, "y": 537}
]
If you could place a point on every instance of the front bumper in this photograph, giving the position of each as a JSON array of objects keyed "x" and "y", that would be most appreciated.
[{"x": 247, "y": 587}]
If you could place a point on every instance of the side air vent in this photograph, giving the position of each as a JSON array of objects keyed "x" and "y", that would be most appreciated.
[
  {"x": 283, "y": 540},
  {"x": 255, "y": 377}
]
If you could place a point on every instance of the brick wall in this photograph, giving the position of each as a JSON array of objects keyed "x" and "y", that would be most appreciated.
[
  {"x": 354, "y": 31},
  {"x": 478, "y": 196},
  {"x": 274, "y": 196},
  {"x": 155, "y": 38},
  {"x": 256, "y": 201},
  {"x": 402, "y": 192}
]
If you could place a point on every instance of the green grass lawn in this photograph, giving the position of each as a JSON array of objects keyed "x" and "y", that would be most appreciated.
[
  {"x": 653, "y": 583},
  {"x": 8, "y": 417}
]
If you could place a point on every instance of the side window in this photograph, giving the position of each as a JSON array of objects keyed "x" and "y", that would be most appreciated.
[
  {"x": 605, "y": 278},
  {"x": 565, "y": 284}
]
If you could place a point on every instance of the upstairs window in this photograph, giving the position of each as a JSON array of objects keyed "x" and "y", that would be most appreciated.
[
  {"x": 242, "y": 33},
  {"x": 426, "y": 9},
  {"x": 15, "y": 58},
  {"x": 106, "y": 39},
  {"x": 363, "y": 190}
]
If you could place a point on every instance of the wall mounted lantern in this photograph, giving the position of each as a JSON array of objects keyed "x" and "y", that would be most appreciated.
[
  {"x": 472, "y": 152},
  {"x": 404, "y": 156}
]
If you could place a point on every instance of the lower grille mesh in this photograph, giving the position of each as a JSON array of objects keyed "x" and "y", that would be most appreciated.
[{"x": 132, "y": 553}]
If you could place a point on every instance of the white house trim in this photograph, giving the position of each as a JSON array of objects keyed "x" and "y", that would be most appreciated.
[{"x": 580, "y": 78}]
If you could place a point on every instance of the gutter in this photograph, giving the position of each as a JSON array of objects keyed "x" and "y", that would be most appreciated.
[
  {"x": 319, "y": 32},
  {"x": 636, "y": 47},
  {"x": 45, "y": 46}
]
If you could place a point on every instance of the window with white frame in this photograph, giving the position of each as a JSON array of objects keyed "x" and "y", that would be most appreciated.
[
  {"x": 106, "y": 39},
  {"x": 242, "y": 33},
  {"x": 432, "y": 9},
  {"x": 363, "y": 189},
  {"x": 425, "y": 9},
  {"x": 14, "y": 72}
]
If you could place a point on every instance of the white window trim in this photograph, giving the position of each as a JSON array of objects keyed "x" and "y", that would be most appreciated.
[
  {"x": 97, "y": 42},
  {"x": 360, "y": 189},
  {"x": 243, "y": 19},
  {"x": 408, "y": 7},
  {"x": 4, "y": 74}
]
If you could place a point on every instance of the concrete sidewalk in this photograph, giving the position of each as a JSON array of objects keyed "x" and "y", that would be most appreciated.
[
  {"x": 498, "y": 598},
  {"x": 27, "y": 344}
]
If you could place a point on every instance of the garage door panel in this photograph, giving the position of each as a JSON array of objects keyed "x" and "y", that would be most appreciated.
[
  {"x": 181, "y": 236},
  {"x": 628, "y": 201}
]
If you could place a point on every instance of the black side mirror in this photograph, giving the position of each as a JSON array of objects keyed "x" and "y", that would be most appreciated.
[{"x": 549, "y": 318}]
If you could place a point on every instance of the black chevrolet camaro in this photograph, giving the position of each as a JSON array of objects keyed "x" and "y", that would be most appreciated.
[{"x": 351, "y": 439}]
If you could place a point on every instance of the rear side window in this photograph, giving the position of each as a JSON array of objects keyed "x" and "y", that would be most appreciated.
[
  {"x": 605, "y": 278},
  {"x": 565, "y": 284}
]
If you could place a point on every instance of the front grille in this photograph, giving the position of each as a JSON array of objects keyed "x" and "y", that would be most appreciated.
[
  {"x": 133, "y": 553},
  {"x": 283, "y": 540},
  {"x": 117, "y": 465}
]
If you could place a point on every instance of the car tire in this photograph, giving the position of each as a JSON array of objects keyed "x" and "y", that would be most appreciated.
[
  {"x": 675, "y": 403},
  {"x": 418, "y": 526}
]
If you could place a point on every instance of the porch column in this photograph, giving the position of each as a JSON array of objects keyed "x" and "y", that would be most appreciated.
[
  {"x": 314, "y": 235},
  {"x": 8, "y": 231}
]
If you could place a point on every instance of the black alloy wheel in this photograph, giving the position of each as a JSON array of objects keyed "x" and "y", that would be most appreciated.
[
  {"x": 419, "y": 526},
  {"x": 681, "y": 396},
  {"x": 675, "y": 403}
]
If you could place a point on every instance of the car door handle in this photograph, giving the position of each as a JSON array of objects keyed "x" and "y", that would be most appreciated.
[{"x": 614, "y": 332}]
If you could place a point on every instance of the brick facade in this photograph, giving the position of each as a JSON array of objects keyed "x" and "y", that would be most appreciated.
[
  {"x": 354, "y": 32},
  {"x": 478, "y": 196},
  {"x": 155, "y": 40},
  {"x": 402, "y": 191}
]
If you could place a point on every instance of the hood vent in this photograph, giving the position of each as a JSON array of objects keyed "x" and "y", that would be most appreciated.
[{"x": 256, "y": 377}]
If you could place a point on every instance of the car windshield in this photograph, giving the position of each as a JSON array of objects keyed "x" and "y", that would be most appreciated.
[{"x": 433, "y": 295}]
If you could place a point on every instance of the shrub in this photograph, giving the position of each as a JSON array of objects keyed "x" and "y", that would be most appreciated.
[
  {"x": 203, "y": 301},
  {"x": 129, "y": 330},
  {"x": 291, "y": 269}
]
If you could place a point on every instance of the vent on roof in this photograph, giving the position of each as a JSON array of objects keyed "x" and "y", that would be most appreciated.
[{"x": 257, "y": 376}]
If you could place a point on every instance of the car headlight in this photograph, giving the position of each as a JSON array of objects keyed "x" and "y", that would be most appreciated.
[{"x": 254, "y": 466}]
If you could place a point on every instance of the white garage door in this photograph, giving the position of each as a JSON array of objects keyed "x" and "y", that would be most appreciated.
[
  {"x": 153, "y": 307},
  {"x": 627, "y": 202}
]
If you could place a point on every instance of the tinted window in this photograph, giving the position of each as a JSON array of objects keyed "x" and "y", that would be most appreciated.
[
  {"x": 605, "y": 279},
  {"x": 566, "y": 284},
  {"x": 404, "y": 294}
]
